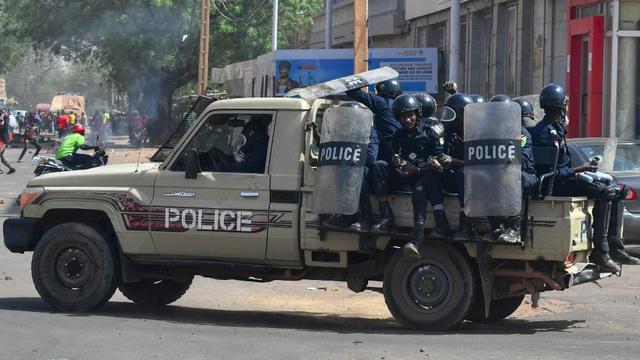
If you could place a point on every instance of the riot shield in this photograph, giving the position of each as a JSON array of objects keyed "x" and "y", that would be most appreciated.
[
  {"x": 609, "y": 155},
  {"x": 344, "y": 137},
  {"x": 492, "y": 182},
  {"x": 337, "y": 86}
]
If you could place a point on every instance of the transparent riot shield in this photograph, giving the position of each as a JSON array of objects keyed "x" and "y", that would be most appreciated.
[
  {"x": 492, "y": 182},
  {"x": 344, "y": 138},
  {"x": 608, "y": 155}
]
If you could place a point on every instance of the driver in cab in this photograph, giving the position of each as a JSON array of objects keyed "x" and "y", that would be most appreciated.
[{"x": 250, "y": 154}]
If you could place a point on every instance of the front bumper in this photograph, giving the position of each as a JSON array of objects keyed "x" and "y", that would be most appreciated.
[{"x": 19, "y": 234}]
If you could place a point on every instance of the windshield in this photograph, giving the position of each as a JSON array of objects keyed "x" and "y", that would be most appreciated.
[{"x": 627, "y": 155}]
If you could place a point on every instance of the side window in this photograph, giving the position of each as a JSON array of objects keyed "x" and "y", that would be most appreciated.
[{"x": 235, "y": 143}]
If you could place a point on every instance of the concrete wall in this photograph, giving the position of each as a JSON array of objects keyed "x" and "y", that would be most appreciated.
[{"x": 387, "y": 26}]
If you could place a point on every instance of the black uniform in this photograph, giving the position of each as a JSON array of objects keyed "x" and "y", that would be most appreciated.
[
  {"x": 383, "y": 120},
  {"x": 608, "y": 197}
]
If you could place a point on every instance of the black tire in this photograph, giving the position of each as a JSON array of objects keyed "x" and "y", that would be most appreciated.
[
  {"x": 73, "y": 268},
  {"x": 155, "y": 292},
  {"x": 450, "y": 284},
  {"x": 500, "y": 309}
]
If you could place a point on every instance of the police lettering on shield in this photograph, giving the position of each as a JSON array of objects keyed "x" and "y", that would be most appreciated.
[{"x": 342, "y": 153}]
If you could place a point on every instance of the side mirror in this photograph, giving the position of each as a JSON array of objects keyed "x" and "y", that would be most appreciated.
[{"x": 192, "y": 164}]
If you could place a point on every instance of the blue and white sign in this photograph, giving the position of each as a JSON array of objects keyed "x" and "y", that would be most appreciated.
[{"x": 418, "y": 67}]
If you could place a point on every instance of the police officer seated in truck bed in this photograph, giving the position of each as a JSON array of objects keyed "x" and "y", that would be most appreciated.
[
  {"x": 607, "y": 227},
  {"x": 251, "y": 156}
]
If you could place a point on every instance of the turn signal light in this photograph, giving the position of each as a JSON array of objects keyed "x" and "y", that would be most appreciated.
[
  {"x": 632, "y": 194},
  {"x": 28, "y": 195},
  {"x": 571, "y": 258}
]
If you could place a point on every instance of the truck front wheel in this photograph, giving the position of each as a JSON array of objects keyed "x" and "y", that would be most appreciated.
[
  {"x": 431, "y": 293},
  {"x": 155, "y": 292},
  {"x": 73, "y": 267}
]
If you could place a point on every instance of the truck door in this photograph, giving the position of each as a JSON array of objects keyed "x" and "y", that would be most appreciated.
[{"x": 223, "y": 213}]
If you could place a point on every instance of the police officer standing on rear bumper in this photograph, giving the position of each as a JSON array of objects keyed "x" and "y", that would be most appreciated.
[{"x": 550, "y": 132}]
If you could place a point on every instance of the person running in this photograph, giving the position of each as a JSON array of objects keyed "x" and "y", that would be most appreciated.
[
  {"x": 30, "y": 135},
  {"x": 4, "y": 138}
]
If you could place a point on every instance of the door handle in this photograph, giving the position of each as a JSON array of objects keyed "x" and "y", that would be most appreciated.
[{"x": 249, "y": 194}]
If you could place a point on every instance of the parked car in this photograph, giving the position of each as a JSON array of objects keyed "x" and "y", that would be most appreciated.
[{"x": 626, "y": 169}]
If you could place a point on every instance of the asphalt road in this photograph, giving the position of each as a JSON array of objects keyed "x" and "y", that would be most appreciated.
[{"x": 301, "y": 320}]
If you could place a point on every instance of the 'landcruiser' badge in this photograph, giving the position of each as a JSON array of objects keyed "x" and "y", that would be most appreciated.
[{"x": 180, "y": 194}]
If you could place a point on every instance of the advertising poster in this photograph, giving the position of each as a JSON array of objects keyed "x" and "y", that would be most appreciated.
[{"x": 417, "y": 67}]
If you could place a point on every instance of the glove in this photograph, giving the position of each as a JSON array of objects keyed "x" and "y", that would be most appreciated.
[
  {"x": 445, "y": 160},
  {"x": 585, "y": 167},
  {"x": 451, "y": 87},
  {"x": 396, "y": 161},
  {"x": 410, "y": 169}
]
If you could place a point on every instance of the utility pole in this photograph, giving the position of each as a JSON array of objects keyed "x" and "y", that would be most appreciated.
[
  {"x": 360, "y": 36},
  {"x": 203, "y": 62},
  {"x": 328, "y": 24},
  {"x": 274, "y": 28},
  {"x": 454, "y": 50}
]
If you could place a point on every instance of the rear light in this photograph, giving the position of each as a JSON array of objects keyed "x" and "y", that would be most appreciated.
[
  {"x": 632, "y": 194},
  {"x": 571, "y": 258}
]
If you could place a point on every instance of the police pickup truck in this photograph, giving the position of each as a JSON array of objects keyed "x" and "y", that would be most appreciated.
[{"x": 231, "y": 196}]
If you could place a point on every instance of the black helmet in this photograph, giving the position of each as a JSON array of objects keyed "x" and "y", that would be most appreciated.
[
  {"x": 456, "y": 103},
  {"x": 353, "y": 104},
  {"x": 427, "y": 103},
  {"x": 553, "y": 96},
  {"x": 406, "y": 103},
  {"x": 525, "y": 106},
  {"x": 477, "y": 98},
  {"x": 389, "y": 89},
  {"x": 500, "y": 98}
]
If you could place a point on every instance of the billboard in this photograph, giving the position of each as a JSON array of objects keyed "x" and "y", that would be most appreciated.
[{"x": 418, "y": 67}]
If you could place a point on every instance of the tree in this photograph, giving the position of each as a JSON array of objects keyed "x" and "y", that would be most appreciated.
[{"x": 148, "y": 48}]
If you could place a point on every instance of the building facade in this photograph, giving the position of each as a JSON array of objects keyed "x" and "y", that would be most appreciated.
[
  {"x": 515, "y": 47},
  {"x": 388, "y": 27}
]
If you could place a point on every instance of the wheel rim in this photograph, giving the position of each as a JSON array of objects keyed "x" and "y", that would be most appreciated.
[
  {"x": 73, "y": 268},
  {"x": 427, "y": 285}
]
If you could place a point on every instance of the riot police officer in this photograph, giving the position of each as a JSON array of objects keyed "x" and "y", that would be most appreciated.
[
  {"x": 453, "y": 118},
  {"x": 414, "y": 148},
  {"x": 341, "y": 222},
  {"x": 383, "y": 120},
  {"x": 507, "y": 229},
  {"x": 550, "y": 132}
]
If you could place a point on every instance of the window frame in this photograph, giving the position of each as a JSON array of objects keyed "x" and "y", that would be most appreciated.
[{"x": 180, "y": 148}]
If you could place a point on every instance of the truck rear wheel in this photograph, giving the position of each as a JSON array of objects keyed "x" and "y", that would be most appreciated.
[
  {"x": 431, "y": 293},
  {"x": 500, "y": 309},
  {"x": 73, "y": 268},
  {"x": 155, "y": 292}
]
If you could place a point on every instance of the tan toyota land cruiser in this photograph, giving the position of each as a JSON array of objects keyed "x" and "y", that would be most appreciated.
[{"x": 149, "y": 228}]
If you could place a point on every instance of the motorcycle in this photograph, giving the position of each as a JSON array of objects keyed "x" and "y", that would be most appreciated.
[{"x": 49, "y": 164}]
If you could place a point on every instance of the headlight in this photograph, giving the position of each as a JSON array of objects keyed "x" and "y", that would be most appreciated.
[{"x": 28, "y": 195}]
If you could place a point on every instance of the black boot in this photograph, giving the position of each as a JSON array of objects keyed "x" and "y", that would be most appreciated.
[
  {"x": 600, "y": 255},
  {"x": 511, "y": 232},
  {"x": 616, "y": 242},
  {"x": 338, "y": 222},
  {"x": 465, "y": 230},
  {"x": 497, "y": 227},
  {"x": 441, "y": 231},
  {"x": 386, "y": 225},
  {"x": 412, "y": 248},
  {"x": 364, "y": 225}
]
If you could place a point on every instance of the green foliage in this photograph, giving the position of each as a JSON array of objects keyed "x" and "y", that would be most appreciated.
[
  {"x": 242, "y": 31},
  {"x": 149, "y": 48}
]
